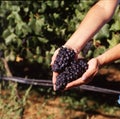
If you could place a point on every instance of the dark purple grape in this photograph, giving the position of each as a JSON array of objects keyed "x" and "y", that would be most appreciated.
[
  {"x": 87, "y": 47},
  {"x": 63, "y": 59},
  {"x": 72, "y": 72},
  {"x": 1, "y": 53}
]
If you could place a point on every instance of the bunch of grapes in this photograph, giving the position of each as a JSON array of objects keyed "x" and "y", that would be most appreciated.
[
  {"x": 1, "y": 53},
  {"x": 63, "y": 59},
  {"x": 68, "y": 67},
  {"x": 87, "y": 47},
  {"x": 72, "y": 72}
]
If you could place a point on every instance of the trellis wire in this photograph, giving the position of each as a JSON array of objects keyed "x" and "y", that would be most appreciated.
[{"x": 48, "y": 83}]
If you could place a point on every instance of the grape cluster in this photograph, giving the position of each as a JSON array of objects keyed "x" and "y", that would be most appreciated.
[
  {"x": 1, "y": 53},
  {"x": 68, "y": 67},
  {"x": 87, "y": 47},
  {"x": 72, "y": 72},
  {"x": 63, "y": 59}
]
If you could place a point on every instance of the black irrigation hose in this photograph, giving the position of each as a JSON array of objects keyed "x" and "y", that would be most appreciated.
[
  {"x": 29, "y": 81},
  {"x": 98, "y": 89},
  {"x": 43, "y": 82}
]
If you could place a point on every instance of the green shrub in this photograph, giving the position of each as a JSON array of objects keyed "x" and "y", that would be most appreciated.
[{"x": 32, "y": 30}]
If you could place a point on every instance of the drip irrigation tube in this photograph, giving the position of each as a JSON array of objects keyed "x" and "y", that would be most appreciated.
[
  {"x": 29, "y": 81},
  {"x": 43, "y": 82}
]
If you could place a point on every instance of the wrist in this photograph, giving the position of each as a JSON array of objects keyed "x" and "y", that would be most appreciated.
[
  {"x": 100, "y": 60},
  {"x": 71, "y": 47}
]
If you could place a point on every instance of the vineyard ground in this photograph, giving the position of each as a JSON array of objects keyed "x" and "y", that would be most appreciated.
[
  {"x": 45, "y": 104},
  {"x": 39, "y": 107}
]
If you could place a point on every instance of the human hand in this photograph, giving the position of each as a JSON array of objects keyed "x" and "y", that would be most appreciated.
[
  {"x": 54, "y": 73},
  {"x": 93, "y": 67},
  {"x": 61, "y": 58}
]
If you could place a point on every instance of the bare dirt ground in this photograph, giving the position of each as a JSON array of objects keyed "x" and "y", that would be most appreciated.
[
  {"x": 45, "y": 106},
  {"x": 53, "y": 108}
]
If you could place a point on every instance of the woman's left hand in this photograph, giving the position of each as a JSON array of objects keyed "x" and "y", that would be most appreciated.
[{"x": 93, "y": 67}]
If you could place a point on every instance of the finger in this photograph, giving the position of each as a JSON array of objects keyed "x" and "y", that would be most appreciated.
[
  {"x": 54, "y": 79},
  {"x": 54, "y": 56},
  {"x": 88, "y": 75},
  {"x": 86, "y": 78},
  {"x": 77, "y": 82},
  {"x": 74, "y": 83},
  {"x": 52, "y": 60}
]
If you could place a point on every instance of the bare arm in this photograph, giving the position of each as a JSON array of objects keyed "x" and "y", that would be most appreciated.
[
  {"x": 97, "y": 16},
  {"x": 94, "y": 64},
  {"x": 109, "y": 56}
]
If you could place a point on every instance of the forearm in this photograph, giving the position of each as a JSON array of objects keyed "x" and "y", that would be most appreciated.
[
  {"x": 97, "y": 16},
  {"x": 109, "y": 56}
]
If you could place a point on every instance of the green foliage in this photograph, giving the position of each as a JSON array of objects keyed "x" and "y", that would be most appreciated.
[
  {"x": 88, "y": 103},
  {"x": 109, "y": 35},
  {"x": 11, "y": 104},
  {"x": 32, "y": 30}
]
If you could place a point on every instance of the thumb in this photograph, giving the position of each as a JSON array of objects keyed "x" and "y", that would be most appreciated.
[
  {"x": 54, "y": 56},
  {"x": 86, "y": 75}
]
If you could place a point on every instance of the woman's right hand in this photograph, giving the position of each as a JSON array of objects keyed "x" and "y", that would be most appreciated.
[{"x": 54, "y": 73}]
